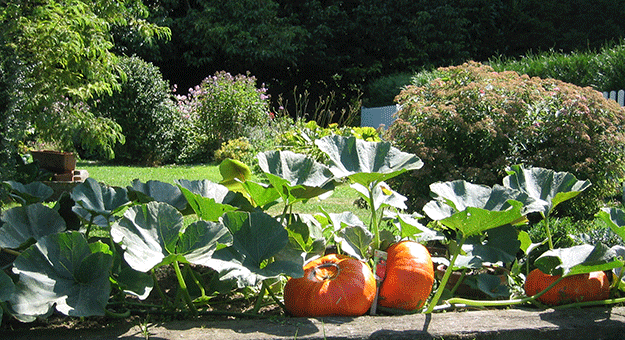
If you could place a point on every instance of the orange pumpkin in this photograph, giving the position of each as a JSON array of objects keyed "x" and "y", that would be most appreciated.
[
  {"x": 575, "y": 288},
  {"x": 331, "y": 285},
  {"x": 409, "y": 276}
]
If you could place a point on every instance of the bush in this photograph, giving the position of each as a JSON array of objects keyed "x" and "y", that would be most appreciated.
[
  {"x": 146, "y": 112},
  {"x": 238, "y": 149},
  {"x": 382, "y": 91},
  {"x": 224, "y": 107},
  {"x": 473, "y": 122},
  {"x": 604, "y": 70}
]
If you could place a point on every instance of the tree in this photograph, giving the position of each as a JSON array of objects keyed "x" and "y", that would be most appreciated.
[{"x": 60, "y": 54}]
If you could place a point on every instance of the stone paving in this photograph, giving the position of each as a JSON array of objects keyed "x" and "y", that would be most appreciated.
[{"x": 510, "y": 324}]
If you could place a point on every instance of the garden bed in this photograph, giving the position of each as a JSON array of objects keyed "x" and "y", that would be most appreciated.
[{"x": 516, "y": 323}]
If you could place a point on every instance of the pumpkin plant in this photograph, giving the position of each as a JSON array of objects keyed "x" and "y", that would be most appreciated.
[{"x": 331, "y": 285}]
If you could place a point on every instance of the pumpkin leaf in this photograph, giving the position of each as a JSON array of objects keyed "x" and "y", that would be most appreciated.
[
  {"x": 366, "y": 162},
  {"x": 615, "y": 219},
  {"x": 473, "y": 209},
  {"x": 579, "y": 259},
  {"x": 157, "y": 191},
  {"x": 547, "y": 187},
  {"x": 98, "y": 202},
  {"x": 257, "y": 238},
  {"x": 383, "y": 196},
  {"x": 208, "y": 208},
  {"x": 409, "y": 227},
  {"x": 500, "y": 246},
  {"x": 62, "y": 271},
  {"x": 261, "y": 195},
  {"x": 355, "y": 241},
  {"x": 295, "y": 176},
  {"x": 29, "y": 223},
  {"x": 35, "y": 192},
  {"x": 153, "y": 235},
  {"x": 233, "y": 173},
  {"x": 134, "y": 282},
  {"x": 306, "y": 236}
]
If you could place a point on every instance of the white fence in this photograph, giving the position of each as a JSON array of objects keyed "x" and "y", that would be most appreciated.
[
  {"x": 618, "y": 96},
  {"x": 376, "y": 116}
]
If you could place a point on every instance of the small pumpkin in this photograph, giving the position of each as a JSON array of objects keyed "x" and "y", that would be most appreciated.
[
  {"x": 333, "y": 285},
  {"x": 575, "y": 288},
  {"x": 409, "y": 276}
]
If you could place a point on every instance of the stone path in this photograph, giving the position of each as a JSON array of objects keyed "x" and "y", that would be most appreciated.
[{"x": 511, "y": 324}]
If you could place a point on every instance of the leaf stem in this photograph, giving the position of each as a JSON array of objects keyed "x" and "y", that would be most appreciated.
[
  {"x": 443, "y": 283},
  {"x": 166, "y": 301},
  {"x": 183, "y": 289},
  {"x": 374, "y": 219},
  {"x": 548, "y": 232},
  {"x": 499, "y": 303},
  {"x": 261, "y": 295}
]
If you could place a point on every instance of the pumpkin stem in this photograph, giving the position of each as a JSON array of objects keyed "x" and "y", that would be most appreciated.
[{"x": 326, "y": 271}]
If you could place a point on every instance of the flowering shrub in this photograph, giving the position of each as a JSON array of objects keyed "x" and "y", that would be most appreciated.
[
  {"x": 471, "y": 123},
  {"x": 224, "y": 107}
]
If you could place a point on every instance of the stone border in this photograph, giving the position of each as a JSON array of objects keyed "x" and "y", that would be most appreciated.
[{"x": 508, "y": 324}]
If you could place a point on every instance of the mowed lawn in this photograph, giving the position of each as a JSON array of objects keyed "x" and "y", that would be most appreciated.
[{"x": 342, "y": 199}]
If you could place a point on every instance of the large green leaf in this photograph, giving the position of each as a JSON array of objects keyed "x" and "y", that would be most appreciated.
[
  {"x": 157, "y": 191},
  {"x": 500, "y": 246},
  {"x": 29, "y": 223},
  {"x": 234, "y": 173},
  {"x": 295, "y": 176},
  {"x": 35, "y": 192},
  {"x": 209, "y": 208},
  {"x": 258, "y": 237},
  {"x": 383, "y": 196},
  {"x": 62, "y": 271},
  {"x": 615, "y": 219},
  {"x": 261, "y": 195},
  {"x": 153, "y": 234},
  {"x": 366, "y": 162},
  {"x": 580, "y": 259},
  {"x": 471, "y": 208},
  {"x": 355, "y": 241},
  {"x": 547, "y": 187},
  {"x": 459, "y": 195},
  {"x": 98, "y": 202},
  {"x": 305, "y": 236},
  {"x": 409, "y": 227}
]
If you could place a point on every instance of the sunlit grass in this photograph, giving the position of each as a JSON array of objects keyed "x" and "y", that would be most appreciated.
[{"x": 342, "y": 199}]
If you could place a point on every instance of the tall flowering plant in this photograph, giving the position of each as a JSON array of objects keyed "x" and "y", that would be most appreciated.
[{"x": 225, "y": 107}]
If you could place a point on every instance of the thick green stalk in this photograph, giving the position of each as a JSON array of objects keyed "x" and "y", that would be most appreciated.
[
  {"x": 374, "y": 221},
  {"x": 443, "y": 283},
  {"x": 183, "y": 289},
  {"x": 261, "y": 295},
  {"x": 499, "y": 303},
  {"x": 548, "y": 232}
]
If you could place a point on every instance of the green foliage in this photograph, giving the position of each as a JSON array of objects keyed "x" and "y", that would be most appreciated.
[
  {"x": 472, "y": 123},
  {"x": 302, "y": 136},
  {"x": 224, "y": 107},
  {"x": 61, "y": 54},
  {"x": 382, "y": 91},
  {"x": 603, "y": 70},
  {"x": 239, "y": 149},
  {"x": 145, "y": 110}
]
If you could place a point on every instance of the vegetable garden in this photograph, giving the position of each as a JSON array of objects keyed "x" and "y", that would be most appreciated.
[{"x": 98, "y": 249}]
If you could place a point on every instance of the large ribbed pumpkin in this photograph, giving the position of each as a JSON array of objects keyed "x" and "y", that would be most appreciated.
[
  {"x": 575, "y": 288},
  {"x": 409, "y": 276},
  {"x": 331, "y": 285}
]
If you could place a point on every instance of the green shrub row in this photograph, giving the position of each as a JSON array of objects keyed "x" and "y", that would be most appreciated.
[{"x": 603, "y": 70}]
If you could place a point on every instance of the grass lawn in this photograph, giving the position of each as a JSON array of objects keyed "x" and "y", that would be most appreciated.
[{"x": 341, "y": 200}]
